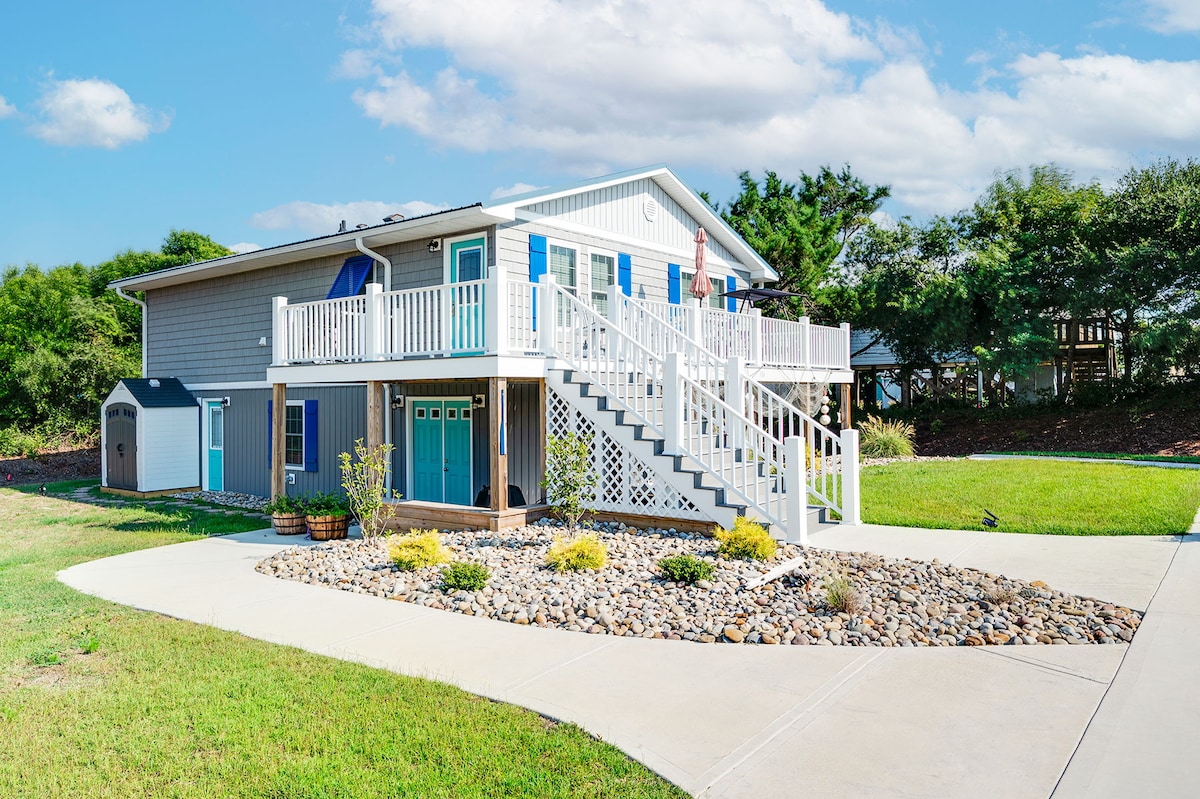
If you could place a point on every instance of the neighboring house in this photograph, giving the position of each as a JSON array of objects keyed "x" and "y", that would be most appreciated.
[{"x": 468, "y": 336}]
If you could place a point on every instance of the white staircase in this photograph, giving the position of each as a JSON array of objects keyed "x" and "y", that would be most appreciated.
[{"x": 724, "y": 443}]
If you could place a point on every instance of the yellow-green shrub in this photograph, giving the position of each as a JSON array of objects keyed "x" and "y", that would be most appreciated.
[
  {"x": 880, "y": 439},
  {"x": 582, "y": 552},
  {"x": 748, "y": 540},
  {"x": 418, "y": 549}
]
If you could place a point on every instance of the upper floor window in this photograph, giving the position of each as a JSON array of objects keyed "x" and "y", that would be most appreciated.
[
  {"x": 562, "y": 266},
  {"x": 714, "y": 300}
]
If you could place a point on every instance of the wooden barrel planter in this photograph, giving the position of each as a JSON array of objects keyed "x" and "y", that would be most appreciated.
[
  {"x": 289, "y": 523},
  {"x": 328, "y": 528}
]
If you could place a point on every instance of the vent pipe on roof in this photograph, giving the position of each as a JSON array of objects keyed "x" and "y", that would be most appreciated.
[
  {"x": 121, "y": 293},
  {"x": 387, "y": 265}
]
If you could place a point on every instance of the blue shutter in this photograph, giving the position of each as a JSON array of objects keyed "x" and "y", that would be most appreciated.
[
  {"x": 537, "y": 266},
  {"x": 730, "y": 302},
  {"x": 351, "y": 278},
  {"x": 310, "y": 435},
  {"x": 625, "y": 273},
  {"x": 270, "y": 424},
  {"x": 674, "y": 284}
]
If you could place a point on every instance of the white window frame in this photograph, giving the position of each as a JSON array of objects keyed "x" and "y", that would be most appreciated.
[
  {"x": 303, "y": 435},
  {"x": 580, "y": 254},
  {"x": 715, "y": 280},
  {"x": 616, "y": 268}
]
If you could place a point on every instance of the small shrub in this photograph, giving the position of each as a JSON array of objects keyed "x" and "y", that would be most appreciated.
[
  {"x": 465, "y": 577},
  {"x": 418, "y": 549},
  {"x": 685, "y": 569},
  {"x": 327, "y": 505},
  {"x": 843, "y": 596},
  {"x": 570, "y": 481},
  {"x": 880, "y": 439},
  {"x": 1000, "y": 594},
  {"x": 285, "y": 504},
  {"x": 747, "y": 540},
  {"x": 582, "y": 552},
  {"x": 363, "y": 480},
  {"x": 936, "y": 426}
]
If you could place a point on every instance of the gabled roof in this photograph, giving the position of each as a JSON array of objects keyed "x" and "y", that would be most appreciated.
[
  {"x": 169, "y": 393},
  {"x": 457, "y": 220}
]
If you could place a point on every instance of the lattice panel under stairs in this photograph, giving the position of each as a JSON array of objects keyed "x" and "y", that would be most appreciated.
[{"x": 625, "y": 483}]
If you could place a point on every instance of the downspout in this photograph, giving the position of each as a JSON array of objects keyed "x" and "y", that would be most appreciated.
[
  {"x": 387, "y": 265},
  {"x": 121, "y": 293}
]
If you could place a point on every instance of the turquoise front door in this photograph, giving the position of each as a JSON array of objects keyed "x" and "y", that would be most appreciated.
[
  {"x": 441, "y": 451},
  {"x": 215, "y": 473},
  {"x": 467, "y": 263}
]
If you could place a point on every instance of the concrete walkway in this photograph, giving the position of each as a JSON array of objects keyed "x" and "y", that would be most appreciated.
[{"x": 744, "y": 721}]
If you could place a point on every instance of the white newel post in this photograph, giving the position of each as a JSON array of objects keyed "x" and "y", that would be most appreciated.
[
  {"x": 495, "y": 312},
  {"x": 796, "y": 482},
  {"x": 673, "y": 411},
  {"x": 546, "y": 316},
  {"x": 851, "y": 497},
  {"x": 616, "y": 307},
  {"x": 735, "y": 395},
  {"x": 371, "y": 335},
  {"x": 806, "y": 342},
  {"x": 846, "y": 344},
  {"x": 756, "y": 337},
  {"x": 695, "y": 323},
  {"x": 278, "y": 331}
]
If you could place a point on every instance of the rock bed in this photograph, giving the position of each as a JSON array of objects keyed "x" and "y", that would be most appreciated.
[
  {"x": 905, "y": 602},
  {"x": 229, "y": 498}
]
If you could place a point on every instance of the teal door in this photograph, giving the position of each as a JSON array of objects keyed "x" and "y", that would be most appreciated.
[
  {"x": 441, "y": 451},
  {"x": 215, "y": 473},
  {"x": 467, "y": 263}
]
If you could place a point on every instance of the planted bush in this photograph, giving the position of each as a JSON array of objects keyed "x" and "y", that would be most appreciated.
[
  {"x": 285, "y": 504},
  {"x": 582, "y": 552},
  {"x": 880, "y": 439},
  {"x": 418, "y": 549},
  {"x": 747, "y": 541},
  {"x": 685, "y": 569},
  {"x": 464, "y": 576},
  {"x": 843, "y": 596}
]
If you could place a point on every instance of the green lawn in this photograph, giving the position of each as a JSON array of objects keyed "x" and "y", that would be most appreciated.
[
  {"x": 100, "y": 700},
  {"x": 1032, "y": 496},
  {"x": 1109, "y": 456}
]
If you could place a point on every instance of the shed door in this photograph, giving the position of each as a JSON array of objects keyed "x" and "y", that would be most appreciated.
[
  {"x": 120, "y": 436},
  {"x": 214, "y": 473},
  {"x": 441, "y": 451}
]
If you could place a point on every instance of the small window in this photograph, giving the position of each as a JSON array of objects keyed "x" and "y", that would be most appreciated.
[
  {"x": 216, "y": 427},
  {"x": 435, "y": 413},
  {"x": 714, "y": 300},
  {"x": 604, "y": 274},
  {"x": 420, "y": 413},
  {"x": 452, "y": 413},
  {"x": 466, "y": 413},
  {"x": 293, "y": 436},
  {"x": 562, "y": 266}
]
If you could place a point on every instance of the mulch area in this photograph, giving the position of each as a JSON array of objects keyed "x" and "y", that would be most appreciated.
[{"x": 77, "y": 464}]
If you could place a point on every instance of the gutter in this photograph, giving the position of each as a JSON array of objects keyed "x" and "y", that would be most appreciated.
[
  {"x": 121, "y": 293},
  {"x": 387, "y": 265}
]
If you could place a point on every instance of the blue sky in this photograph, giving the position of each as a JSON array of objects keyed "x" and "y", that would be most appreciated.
[{"x": 261, "y": 123}]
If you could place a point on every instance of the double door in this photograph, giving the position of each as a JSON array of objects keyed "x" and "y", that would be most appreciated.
[{"x": 441, "y": 451}]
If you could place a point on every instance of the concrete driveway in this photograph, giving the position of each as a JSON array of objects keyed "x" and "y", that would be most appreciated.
[{"x": 747, "y": 721}]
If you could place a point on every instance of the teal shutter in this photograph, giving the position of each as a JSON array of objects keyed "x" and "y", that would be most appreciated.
[
  {"x": 310, "y": 435},
  {"x": 730, "y": 286},
  {"x": 674, "y": 284},
  {"x": 537, "y": 266},
  {"x": 625, "y": 273}
]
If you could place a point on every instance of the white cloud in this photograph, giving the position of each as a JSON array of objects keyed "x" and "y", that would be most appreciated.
[
  {"x": 6, "y": 108},
  {"x": 93, "y": 113},
  {"x": 781, "y": 84},
  {"x": 514, "y": 189},
  {"x": 319, "y": 219},
  {"x": 1174, "y": 16},
  {"x": 244, "y": 246}
]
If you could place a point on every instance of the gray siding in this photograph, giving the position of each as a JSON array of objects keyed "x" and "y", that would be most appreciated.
[
  {"x": 209, "y": 331},
  {"x": 524, "y": 440},
  {"x": 341, "y": 418},
  {"x": 649, "y": 266}
]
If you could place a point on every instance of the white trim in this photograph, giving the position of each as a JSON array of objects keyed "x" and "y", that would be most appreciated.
[
  {"x": 448, "y": 243},
  {"x": 303, "y": 435},
  {"x": 474, "y": 366},
  {"x": 410, "y": 412},
  {"x": 253, "y": 384},
  {"x": 617, "y": 238}
]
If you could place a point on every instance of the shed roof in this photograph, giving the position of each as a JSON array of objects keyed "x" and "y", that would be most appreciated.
[{"x": 169, "y": 393}]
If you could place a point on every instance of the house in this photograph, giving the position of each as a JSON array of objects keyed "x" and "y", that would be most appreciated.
[{"x": 466, "y": 337}]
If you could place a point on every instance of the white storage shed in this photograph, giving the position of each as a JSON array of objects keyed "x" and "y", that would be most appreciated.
[{"x": 150, "y": 437}]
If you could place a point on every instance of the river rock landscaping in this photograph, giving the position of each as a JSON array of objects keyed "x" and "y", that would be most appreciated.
[{"x": 903, "y": 602}]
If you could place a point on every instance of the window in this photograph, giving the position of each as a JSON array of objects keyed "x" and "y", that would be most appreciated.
[
  {"x": 293, "y": 435},
  {"x": 216, "y": 427},
  {"x": 562, "y": 266},
  {"x": 715, "y": 300},
  {"x": 604, "y": 274}
]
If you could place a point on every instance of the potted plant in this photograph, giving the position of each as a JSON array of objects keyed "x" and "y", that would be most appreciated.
[
  {"x": 287, "y": 514},
  {"x": 328, "y": 517}
]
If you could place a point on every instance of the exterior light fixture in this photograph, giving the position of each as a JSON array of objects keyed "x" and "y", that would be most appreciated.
[{"x": 435, "y": 245}]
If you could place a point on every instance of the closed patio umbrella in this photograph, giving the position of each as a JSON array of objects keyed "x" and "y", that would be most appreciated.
[{"x": 700, "y": 286}]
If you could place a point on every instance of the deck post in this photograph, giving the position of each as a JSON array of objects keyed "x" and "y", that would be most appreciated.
[
  {"x": 845, "y": 326},
  {"x": 547, "y": 302},
  {"x": 278, "y": 331},
  {"x": 374, "y": 415},
  {"x": 278, "y": 441},
  {"x": 695, "y": 322},
  {"x": 371, "y": 320},
  {"x": 844, "y": 404},
  {"x": 735, "y": 395},
  {"x": 497, "y": 401},
  {"x": 806, "y": 342},
  {"x": 851, "y": 497},
  {"x": 796, "y": 485},
  {"x": 673, "y": 412},
  {"x": 616, "y": 307},
  {"x": 756, "y": 337},
  {"x": 495, "y": 312}
]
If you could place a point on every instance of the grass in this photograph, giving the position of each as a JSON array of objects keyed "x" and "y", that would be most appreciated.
[
  {"x": 1109, "y": 456},
  {"x": 101, "y": 700},
  {"x": 1028, "y": 496}
]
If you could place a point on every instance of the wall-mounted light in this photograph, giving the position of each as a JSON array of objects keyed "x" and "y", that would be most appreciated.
[
  {"x": 435, "y": 245},
  {"x": 224, "y": 402},
  {"x": 262, "y": 341},
  {"x": 397, "y": 402},
  {"x": 477, "y": 401}
]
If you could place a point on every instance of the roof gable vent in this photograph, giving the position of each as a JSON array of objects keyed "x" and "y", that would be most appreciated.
[{"x": 650, "y": 209}]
